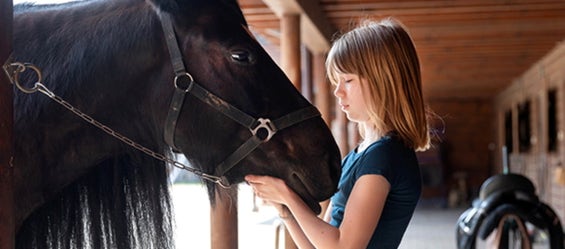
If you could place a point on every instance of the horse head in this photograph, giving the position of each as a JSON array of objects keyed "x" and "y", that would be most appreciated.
[
  {"x": 222, "y": 57},
  {"x": 229, "y": 109}
]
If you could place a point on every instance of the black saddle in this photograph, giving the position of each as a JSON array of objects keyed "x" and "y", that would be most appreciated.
[{"x": 500, "y": 196}]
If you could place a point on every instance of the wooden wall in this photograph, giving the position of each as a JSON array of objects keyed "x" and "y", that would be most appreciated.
[
  {"x": 537, "y": 143},
  {"x": 466, "y": 135}
]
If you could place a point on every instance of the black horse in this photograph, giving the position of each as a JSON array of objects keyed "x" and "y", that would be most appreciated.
[{"x": 161, "y": 75}]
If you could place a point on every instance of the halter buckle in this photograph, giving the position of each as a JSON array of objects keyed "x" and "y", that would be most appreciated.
[{"x": 267, "y": 124}]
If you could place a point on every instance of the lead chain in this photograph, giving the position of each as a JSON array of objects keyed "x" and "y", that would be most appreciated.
[{"x": 38, "y": 86}]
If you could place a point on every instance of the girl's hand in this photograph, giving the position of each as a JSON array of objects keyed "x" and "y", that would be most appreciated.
[{"x": 270, "y": 189}]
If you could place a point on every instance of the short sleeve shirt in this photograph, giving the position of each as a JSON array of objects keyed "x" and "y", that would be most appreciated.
[{"x": 396, "y": 162}]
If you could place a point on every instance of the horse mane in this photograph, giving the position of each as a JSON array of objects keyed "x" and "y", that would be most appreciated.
[
  {"x": 71, "y": 47},
  {"x": 123, "y": 201}
]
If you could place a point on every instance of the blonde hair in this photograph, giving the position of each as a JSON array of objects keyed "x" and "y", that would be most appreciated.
[{"x": 382, "y": 53}]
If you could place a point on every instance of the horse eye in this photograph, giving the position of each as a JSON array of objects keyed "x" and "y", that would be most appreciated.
[{"x": 242, "y": 56}]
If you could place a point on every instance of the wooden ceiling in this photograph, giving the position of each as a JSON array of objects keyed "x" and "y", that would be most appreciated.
[{"x": 469, "y": 49}]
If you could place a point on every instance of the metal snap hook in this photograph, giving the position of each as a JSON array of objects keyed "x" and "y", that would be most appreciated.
[{"x": 223, "y": 182}]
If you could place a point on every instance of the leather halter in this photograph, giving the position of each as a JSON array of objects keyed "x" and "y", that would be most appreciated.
[{"x": 184, "y": 83}]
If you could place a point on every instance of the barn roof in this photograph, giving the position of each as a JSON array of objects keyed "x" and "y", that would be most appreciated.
[{"x": 468, "y": 49}]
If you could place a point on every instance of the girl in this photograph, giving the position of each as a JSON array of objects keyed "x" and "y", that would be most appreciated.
[{"x": 376, "y": 73}]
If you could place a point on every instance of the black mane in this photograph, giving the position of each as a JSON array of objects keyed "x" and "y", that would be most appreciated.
[
  {"x": 82, "y": 37},
  {"x": 122, "y": 203}
]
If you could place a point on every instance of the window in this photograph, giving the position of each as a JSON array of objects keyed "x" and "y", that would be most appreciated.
[
  {"x": 524, "y": 128},
  {"x": 552, "y": 120},
  {"x": 508, "y": 131}
]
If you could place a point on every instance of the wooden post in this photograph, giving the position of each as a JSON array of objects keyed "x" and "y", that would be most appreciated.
[
  {"x": 306, "y": 74},
  {"x": 290, "y": 48},
  {"x": 223, "y": 219},
  {"x": 322, "y": 90},
  {"x": 340, "y": 131},
  {"x": 291, "y": 65},
  {"x": 7, "y": 226},
  {"x": 322, "y": 99}
]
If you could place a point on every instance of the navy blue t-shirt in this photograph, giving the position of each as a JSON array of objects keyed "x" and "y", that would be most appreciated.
[{"x": 390, "y": 158}]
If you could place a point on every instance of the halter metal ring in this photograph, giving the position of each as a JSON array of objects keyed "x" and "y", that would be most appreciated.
[
  {"x": 21, "y": 67},
  {"x": 185, "y": 74},
  {"x": 266, "y": 124}
]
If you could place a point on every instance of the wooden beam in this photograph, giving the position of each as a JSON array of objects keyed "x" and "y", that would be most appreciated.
[
  {"x": 316, "y": 30},
  {"x": 7, "y": 212}
]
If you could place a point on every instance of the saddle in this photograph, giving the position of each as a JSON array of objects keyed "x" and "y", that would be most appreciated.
[{"x": 507, "y": 197}]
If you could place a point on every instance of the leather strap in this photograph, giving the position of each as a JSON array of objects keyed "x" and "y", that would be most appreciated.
[
  {"x": 184, "y": 83},
  {"x": 223, "y": 106},
  {"x": 254, "y": 141},
  {"x": 172, "y": 44},
  {"x": 172, "y": 117},
  {"x": 180, "y": 73}
]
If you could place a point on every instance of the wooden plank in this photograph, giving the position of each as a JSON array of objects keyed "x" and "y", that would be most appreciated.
[{"x": 7, "y": 226}]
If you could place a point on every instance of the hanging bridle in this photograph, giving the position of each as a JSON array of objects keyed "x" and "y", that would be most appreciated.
[{"x": 184, "y": 83}]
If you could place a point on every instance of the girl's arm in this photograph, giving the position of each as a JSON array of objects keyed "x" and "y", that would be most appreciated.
[
  {"x": 294, "y": 229},
  {"x": 361, "y": 217}
]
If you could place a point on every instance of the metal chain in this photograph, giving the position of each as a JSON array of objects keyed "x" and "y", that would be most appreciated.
[{"x": 38, "y": 86}]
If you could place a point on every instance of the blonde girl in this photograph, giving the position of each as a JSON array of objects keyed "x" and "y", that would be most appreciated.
[{"x": 376, "y": 73}]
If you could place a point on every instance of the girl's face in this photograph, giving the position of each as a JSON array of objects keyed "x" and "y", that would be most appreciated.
[{"x": 350, "y": 97}]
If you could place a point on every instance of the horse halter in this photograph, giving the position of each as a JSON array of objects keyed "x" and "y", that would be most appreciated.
[{"x": 184, "y": 83}]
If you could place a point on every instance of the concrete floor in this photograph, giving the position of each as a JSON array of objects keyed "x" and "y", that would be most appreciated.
[{"x": 431, "y": 228}]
